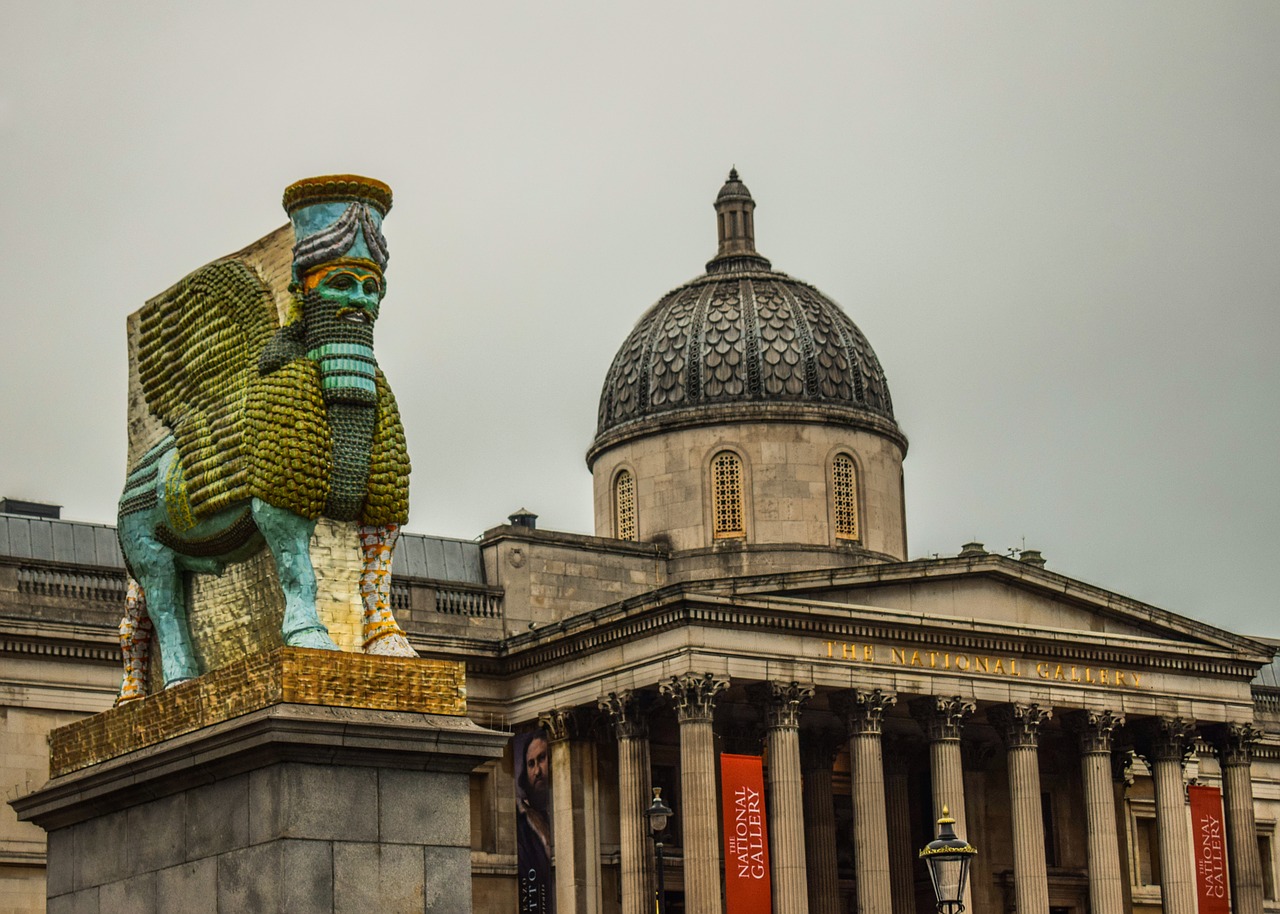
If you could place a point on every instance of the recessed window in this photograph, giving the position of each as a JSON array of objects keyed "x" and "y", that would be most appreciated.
[
  {"x": 726, "y": 495},
  {"x": 1268, "y": 867},
  {"x": 844, "y": 490},
  {"x": 624, "y": 505},
  {"x": 1147, "y": 839}
]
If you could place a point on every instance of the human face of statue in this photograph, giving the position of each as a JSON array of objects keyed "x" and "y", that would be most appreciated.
[
  {"x": 537, "y": 766},
  {"x": 353, "y": 291}
]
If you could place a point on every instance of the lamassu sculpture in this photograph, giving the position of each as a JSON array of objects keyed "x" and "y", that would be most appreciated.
[{"x": 267, "y": 428}]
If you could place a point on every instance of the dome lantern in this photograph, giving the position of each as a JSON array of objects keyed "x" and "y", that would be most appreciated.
[{"x": 735, "y": 226}]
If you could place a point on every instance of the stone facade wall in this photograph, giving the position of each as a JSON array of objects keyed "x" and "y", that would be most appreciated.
[
  {"x": 549, "y": 576},
  {"x": 786, "y": 477}
]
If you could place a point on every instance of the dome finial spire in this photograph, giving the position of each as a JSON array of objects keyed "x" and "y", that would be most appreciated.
[{"x": 735, "y": 223}]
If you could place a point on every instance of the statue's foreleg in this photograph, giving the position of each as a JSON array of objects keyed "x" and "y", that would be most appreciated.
[
  {"x": 288, "y": 535},
  {"x": 380, "y": 632},
  {"x": 155, "y": 566},
  {"x": 135, "y": 642}
]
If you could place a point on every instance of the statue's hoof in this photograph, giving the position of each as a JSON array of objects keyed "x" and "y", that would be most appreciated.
[
  {"x": 170, "y": 683},
  {"x": 392, "y": 644},
  {"x": 316, "y": 638}
]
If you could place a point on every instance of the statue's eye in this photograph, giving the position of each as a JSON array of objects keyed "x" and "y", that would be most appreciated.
[
  {"x": 341, "y": 281},
  {"x": 370, "y": 287}
]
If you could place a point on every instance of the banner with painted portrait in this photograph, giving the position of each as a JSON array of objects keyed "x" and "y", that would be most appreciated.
[{"x": 532, "y": 769}]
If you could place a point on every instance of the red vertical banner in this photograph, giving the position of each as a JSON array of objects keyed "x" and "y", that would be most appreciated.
[
  {"x": 1208, "y": 838},
  {"x": 746, "y": 835}
]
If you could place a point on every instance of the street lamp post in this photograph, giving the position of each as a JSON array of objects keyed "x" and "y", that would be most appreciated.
[
  {"x": 658, "y": 813},
  {"x": 948, "y": 858}
]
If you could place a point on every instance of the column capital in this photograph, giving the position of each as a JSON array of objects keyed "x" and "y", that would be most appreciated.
[
  {"x": 1233, "y": 743},
  {"x": 1161, "y": 739},
  {"x": 942, "y": 717},
  {"x": 781, "y": 701},
  {"x": 863, "y": 709},
  {"x": 562, "y": 723},
  {"x": 1093, "y": 729},
  {"x": 627, "y": 712},
  {"x": 1019, "y": 723},
  {"x": 694, "y": 694}
]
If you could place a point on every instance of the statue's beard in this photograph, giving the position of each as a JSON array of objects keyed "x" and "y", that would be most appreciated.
[{"x": 343, "y": 351}]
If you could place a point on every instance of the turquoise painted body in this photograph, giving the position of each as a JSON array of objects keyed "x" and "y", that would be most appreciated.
[{"x": 158, "y": 557}]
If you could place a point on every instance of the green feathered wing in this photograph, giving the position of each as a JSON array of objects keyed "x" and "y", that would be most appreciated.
[{"x": 197, "y": 357}]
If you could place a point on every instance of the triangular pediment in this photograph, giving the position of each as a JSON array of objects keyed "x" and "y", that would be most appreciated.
[{"x": 995, "y": 590}]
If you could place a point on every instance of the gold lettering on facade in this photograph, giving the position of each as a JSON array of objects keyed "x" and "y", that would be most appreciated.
[{"x": 857, "y": 652}]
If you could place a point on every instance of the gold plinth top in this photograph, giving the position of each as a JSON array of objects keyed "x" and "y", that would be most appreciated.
[{"x": 287, "y": 675}]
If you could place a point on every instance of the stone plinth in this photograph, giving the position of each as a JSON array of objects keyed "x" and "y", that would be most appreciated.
[{"x": 290, "y": 805}]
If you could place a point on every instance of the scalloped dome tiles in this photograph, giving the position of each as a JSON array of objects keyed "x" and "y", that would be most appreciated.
[{"x": 740, "y": 334}]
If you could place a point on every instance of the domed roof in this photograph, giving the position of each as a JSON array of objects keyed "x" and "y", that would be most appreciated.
[{"x": 743, "y": 341}]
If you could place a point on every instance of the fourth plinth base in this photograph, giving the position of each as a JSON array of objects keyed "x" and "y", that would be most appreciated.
[{"x": 300, "y": 799}]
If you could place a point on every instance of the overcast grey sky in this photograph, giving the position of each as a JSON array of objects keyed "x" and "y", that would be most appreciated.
[{"x": 1056, "y": 223}]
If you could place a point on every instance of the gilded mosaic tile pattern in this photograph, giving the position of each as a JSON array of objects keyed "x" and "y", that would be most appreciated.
[{"x": 283, "y": 676}]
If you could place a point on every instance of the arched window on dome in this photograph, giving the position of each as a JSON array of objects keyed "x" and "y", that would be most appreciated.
[
  {"x": 844, "y": 497},
  {"x": 624, "y": 505},
  {"x": 726, "y": 496}
]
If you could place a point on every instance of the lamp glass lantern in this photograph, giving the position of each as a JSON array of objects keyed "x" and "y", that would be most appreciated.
[
  {"x": 658, "y": 812},
  {"x": 948, "y": 858}
]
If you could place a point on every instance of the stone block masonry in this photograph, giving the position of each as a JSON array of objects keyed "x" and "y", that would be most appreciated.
[{"x": 287, "y": 805}]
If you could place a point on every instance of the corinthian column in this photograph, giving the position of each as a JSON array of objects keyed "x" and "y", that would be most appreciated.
[
  {"x": 694, "y": 697},
  {"x": 575, "y": 819},
  {"x": 818, "y": 752},
  {"x": 1106, "y": 879},
  {"x": 1234, "y": 746},
  {"x": 942, "y": 718},
  {"x": 782, "y": 702},
  {"x": 1019, "y": 724},
  {"x": 635, "y": 785},
  {"x": 865, "y": 711},
  {"x": 1165, "y": 743}
]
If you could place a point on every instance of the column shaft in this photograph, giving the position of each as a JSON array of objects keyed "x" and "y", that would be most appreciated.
[
  {"x": 575, "y": 820},
  {"x": 1106, "y": 876},
  {"x": 1242, "y": 839},
  {"x": 786, "y": 822},
  {"x": 1234, "y": 745},
  {"x": 820, "y": 826},
  {"x": 694, "y": 698},
  {"x": 942, "y": 719},
  {"x": 870, "y": 827},
  {"x": 783, "y": 701},
  {"x": 635, "y": 787},
  {"x": 1177, "y": 879},
  {"x": 1021, "y": 725},
  {"x": 700, "y": 818},
  {"x": 562, "y": 823},
  {"x": 1106, "y": 879},
  {"x": 1164, "y": 743},
  {"x": 1031, "y": 875}
]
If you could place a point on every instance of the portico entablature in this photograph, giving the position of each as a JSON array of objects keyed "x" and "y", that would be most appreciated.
[{"x": 838, "y": 647}]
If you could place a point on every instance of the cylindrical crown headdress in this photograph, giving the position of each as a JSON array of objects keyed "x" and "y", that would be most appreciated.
[{"x": 337, "y": 217}]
